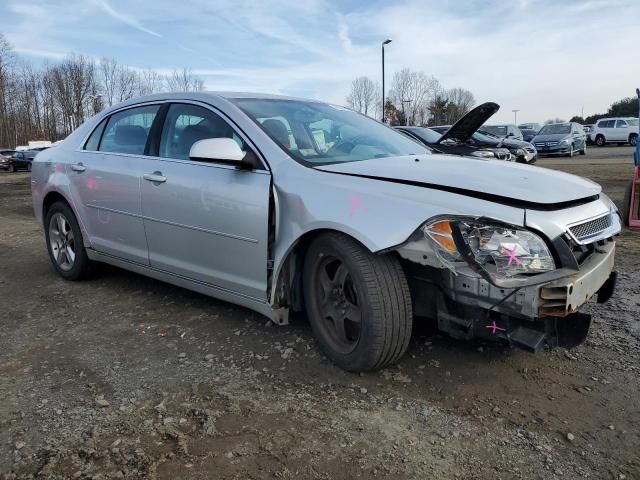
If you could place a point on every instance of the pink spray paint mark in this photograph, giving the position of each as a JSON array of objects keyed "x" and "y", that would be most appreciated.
[
  {"x": 512, "y": 255},
  {"x": 91, "y": 183},
  {"x": 356, "y": 204},
  {"x": 495, "y": 328}
]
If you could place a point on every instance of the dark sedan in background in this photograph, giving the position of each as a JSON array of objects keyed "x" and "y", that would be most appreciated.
[
  {"x": 561, "y": 139},
  {"x": 522, "y": 152},
  {"x": 21, "y": 161},
  {"x": 528, "y": 134},
  {"x": 5, "y": 159},
  {"x": 456, "y": 140}
]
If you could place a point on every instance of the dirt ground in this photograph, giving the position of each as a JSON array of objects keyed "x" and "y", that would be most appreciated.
[{"x": 126, "y": 377}]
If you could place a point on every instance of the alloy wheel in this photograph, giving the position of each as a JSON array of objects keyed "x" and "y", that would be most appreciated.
[
  {"x": 62, "y": 242},
  {"x": 338, "y": 303}
]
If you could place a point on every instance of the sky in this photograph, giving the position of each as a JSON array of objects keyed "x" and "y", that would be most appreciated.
[{"x": 546, "y": 58}]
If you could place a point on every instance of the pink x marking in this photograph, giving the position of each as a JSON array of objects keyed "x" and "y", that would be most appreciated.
[
  {"x": 512, "y": 255},
  {"x": 495, "y": 328},
  {"x": 356, "y": 204}
]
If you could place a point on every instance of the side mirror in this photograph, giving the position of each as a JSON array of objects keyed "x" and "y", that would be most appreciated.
[{"x": 217, "y": 149}]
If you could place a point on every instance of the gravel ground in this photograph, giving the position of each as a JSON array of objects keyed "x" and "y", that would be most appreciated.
[{"x": 126, "y": 377}]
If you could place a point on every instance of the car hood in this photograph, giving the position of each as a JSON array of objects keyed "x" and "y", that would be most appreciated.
[
  {"x": 554, "y": 137},
  {"x": 495, "y": 180},
  {"x": 467, "y": 125}
]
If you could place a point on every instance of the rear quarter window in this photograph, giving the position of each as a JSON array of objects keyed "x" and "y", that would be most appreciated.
[{"x": 93, "y": 142}]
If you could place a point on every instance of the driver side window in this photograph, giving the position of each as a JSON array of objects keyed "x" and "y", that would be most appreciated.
[{"x": 186, "y": 124}]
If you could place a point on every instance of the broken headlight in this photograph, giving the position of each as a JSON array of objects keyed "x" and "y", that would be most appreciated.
[{"x": 499, "y": 249}]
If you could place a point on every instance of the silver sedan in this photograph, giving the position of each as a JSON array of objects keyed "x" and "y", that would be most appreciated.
[{"x": 285, "y": 205}]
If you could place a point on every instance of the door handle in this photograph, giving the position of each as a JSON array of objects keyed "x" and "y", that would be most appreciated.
[
  {"x": 78, "y": 167},
  {"x": 155, "y": 177}
]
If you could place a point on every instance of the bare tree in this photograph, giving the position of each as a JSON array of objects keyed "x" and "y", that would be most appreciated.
[
  {"x": 363, "y": 96},
  {"x": 150, "y": 82},
  {"x": 118, "y": 82},
  {"x": 183, "y": 81},
  {"x": 414, "y": 91},
  {"x": 74, "y": 80},
  {"x": 461, "y": 101}
]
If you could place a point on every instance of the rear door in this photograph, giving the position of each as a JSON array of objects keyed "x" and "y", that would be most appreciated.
[
  {"x": 206, "y": 220},
  {"x": 621, "y": 131},
  {"x": 105, "y": 183}
]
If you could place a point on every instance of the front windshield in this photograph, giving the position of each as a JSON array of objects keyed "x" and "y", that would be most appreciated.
[
  {"x": 426, "y": 134},
  {"x": 481, "y": 137},
  {"x": 497, "y": 130},
  {"x": 554, "y": 129},
  {"x": 320, "y": 134}
]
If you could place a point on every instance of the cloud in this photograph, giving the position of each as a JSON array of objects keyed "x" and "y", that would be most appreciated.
[
  {"x": 544, "y": 57},
  {"x": 124, "y": 18}
]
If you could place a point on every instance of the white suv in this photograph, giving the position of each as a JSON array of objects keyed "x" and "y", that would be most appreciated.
[{"x": 614, "y": 130}]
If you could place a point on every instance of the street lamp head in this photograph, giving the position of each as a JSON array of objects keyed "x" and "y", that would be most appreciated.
[{"x": 387, "y": 41}]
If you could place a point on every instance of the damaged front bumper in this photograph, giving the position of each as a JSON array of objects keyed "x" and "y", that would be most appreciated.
[{"x": 529, "y": 316}]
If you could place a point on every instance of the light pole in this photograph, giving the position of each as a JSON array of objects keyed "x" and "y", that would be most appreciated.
[
  {"x": 386, "y": 42},
  {"x": 515, "y": 116}
]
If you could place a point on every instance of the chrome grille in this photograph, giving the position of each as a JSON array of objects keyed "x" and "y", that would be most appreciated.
[
  {"x": 546, "y": 144},
  {"x": 591, "y": 227}
]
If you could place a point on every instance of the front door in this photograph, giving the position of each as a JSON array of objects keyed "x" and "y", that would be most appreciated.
[
  {"x": 206, "y": 221},
  {"x": 105, "y": 183}
]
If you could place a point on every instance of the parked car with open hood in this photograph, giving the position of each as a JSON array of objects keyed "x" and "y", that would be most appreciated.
[
  {"x": 282, "y": 205},
  {"x": 521, "y": 152},
  {"x": 561, "y": 139},
  {"x": 456, "y": 140}
]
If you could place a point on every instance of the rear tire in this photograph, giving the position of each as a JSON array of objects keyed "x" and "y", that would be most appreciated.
[
  {"x": 600, "y": 141},
  {"x": 65, "y": 243},
  {"x": 11, "y": 168},
  {"x": 343, "y": 280},
  {"x": 626, "y": 204},
  {"x": 28, "y": 167},
  {"x": 633, "y": 139}
]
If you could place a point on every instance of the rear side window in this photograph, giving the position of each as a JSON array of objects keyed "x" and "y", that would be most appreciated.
[
  {"x": 94, "y": 139},
  {"x": 606, "y": 124},
  {"x": 127, "y": 131}
]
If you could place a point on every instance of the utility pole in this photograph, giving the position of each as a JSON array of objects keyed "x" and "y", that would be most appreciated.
[{"x": 386, "y": 42}]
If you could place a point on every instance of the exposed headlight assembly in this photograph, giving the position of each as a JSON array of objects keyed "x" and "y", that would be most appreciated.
[
  {"x": 520, "y": 152},
  {"x": 502, "y": 251}
]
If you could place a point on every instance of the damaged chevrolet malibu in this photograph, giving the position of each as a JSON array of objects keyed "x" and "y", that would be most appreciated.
[{"x": 284, "y": 205}]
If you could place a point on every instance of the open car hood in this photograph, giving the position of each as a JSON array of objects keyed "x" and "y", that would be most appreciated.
[
  {"x": 494, "y": 180},
  {"x": 462, "y": 130}
]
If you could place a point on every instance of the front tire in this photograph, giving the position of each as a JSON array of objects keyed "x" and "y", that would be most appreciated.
[
  {"x": 600, "y": 141},
  {"x": 358, "y": 303},
  {"x": 571, "y": 151},
  {"x": 65, "y": 244},
  {"x": 584, "y": 149}
]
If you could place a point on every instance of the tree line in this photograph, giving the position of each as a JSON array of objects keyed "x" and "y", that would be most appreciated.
[
  {"x": 414, "y": 98},
  {"x": 50, "y": 101},
  {"x": 625, "y": 107}
]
